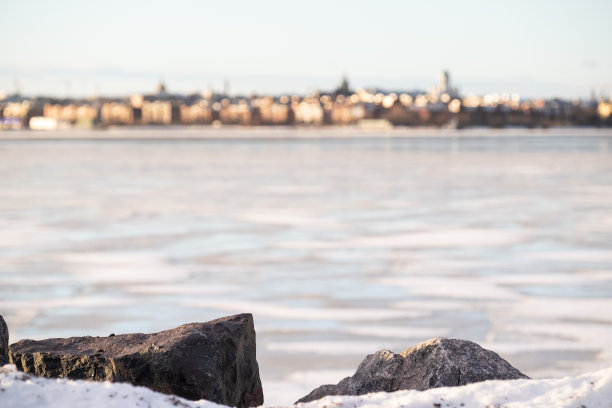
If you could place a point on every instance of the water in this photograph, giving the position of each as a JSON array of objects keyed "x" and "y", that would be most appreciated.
[{"x": 339, "y": 242}]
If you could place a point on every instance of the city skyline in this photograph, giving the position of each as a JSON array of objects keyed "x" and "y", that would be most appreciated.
[{"x": 548, "y": 49}]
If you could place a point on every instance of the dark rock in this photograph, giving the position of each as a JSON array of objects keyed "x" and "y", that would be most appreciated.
[
  {"x": 213, "y": 361},
  {"x": 4, "y": 342},
  {"x": 434, "y": 363}
]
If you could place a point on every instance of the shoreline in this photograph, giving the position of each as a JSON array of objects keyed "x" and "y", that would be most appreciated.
[{"x": 236, "y": 132}]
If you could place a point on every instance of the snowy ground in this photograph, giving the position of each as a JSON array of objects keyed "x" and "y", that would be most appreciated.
[{"x": 588, "y": 390}]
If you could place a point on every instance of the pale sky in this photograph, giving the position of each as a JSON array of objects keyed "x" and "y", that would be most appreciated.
[{"x": 537, "y": 48}]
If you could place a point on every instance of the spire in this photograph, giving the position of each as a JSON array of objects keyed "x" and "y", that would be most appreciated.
[
  {"x": 344, "y": 88},
  {"x": 161, "y": 88}
]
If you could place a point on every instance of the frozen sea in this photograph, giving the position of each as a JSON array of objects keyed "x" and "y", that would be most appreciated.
[{"x": 339, "y": 241}]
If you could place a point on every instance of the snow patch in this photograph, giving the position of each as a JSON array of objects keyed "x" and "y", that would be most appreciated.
[{"x": 593, "y": 390}]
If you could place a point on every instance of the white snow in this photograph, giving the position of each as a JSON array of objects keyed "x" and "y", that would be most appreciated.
[
  {"x": 590, "y": 390},
  {"x": 28, "y": 391}
]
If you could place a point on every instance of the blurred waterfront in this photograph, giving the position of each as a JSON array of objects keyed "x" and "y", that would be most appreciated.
[{"x": 339, "y": 241}]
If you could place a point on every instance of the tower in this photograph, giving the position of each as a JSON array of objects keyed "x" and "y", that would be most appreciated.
[
  {"x": 161, "y": 88},
  {"x": 444, "y": 82},
  {"x": 344, "y": 88}
]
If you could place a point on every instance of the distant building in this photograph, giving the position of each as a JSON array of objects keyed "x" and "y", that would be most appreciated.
[
  {"x": 234, "y": 113},
  {"x": 16, "y": 109},
  {"x": 401, "y": 115},
  {"x": 199, "y": 113},
  {"x": 157, "y": 113},
  {"x": 604, "y": 110},
  {"x": 161, "y": 88},
  {"x": 71, "y": 113},
  {"x": 443, "y": 92},
  {"x": 116, "y": 113},
  {"x": 347, "y": 113},
  {"x": 16, "y": 115},
  {"x": 309, "y": 111},
  {"x": 344, "y": 88},
  {"x": 274, "y": 113},
  {"x": 439, "y": 106}
]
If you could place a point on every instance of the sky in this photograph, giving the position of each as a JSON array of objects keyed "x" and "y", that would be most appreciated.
[{"x": 538, "y": 48}]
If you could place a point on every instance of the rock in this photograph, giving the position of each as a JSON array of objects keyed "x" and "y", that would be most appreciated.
[
  {"x": 213, "y": 361},
  {"x": 434, "y": 363},
  {"x": 4, "y": 342}
]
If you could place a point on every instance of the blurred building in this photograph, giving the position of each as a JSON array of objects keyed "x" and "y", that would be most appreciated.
[
  {"x": 309, "y": 111},
  {"x": 72, "y": 113},
  {"x": 196, "y": 114},
  {"x": 443, "y": 92},
  {"x": 237, "y": 112},
  {"x": 116, "y": 113},
  {"x": 344, "y": 88},
  {"x": 345, "y": 113},
  {"x": 156, "y": 113},
  {"x": 273, "y": 112},
  {"x": 15, "y": 115},
  {"x": 604, "y": 110},
  {"x": 439, "y": 106}
]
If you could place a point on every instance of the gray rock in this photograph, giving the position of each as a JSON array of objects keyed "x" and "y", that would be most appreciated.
[
  {"x": 434, "y": 363},
  {"x": 213, "y": 361},
  {"x": 4, "y": 342}
]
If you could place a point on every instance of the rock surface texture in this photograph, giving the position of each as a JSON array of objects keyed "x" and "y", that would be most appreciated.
[
  {"x": 214, "y": 360},
  {"x": 4, "y": 342},
  {"x": 434, "y": 363}
]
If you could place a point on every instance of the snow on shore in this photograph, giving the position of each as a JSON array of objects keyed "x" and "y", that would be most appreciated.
[{"x": 590, "y": 390}]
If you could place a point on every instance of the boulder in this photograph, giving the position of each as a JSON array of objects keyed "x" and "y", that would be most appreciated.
[
  {"x": 4, "y": 342},
  {"x": 213, "y": 361},
  {"x": 434, "y": 363}
]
